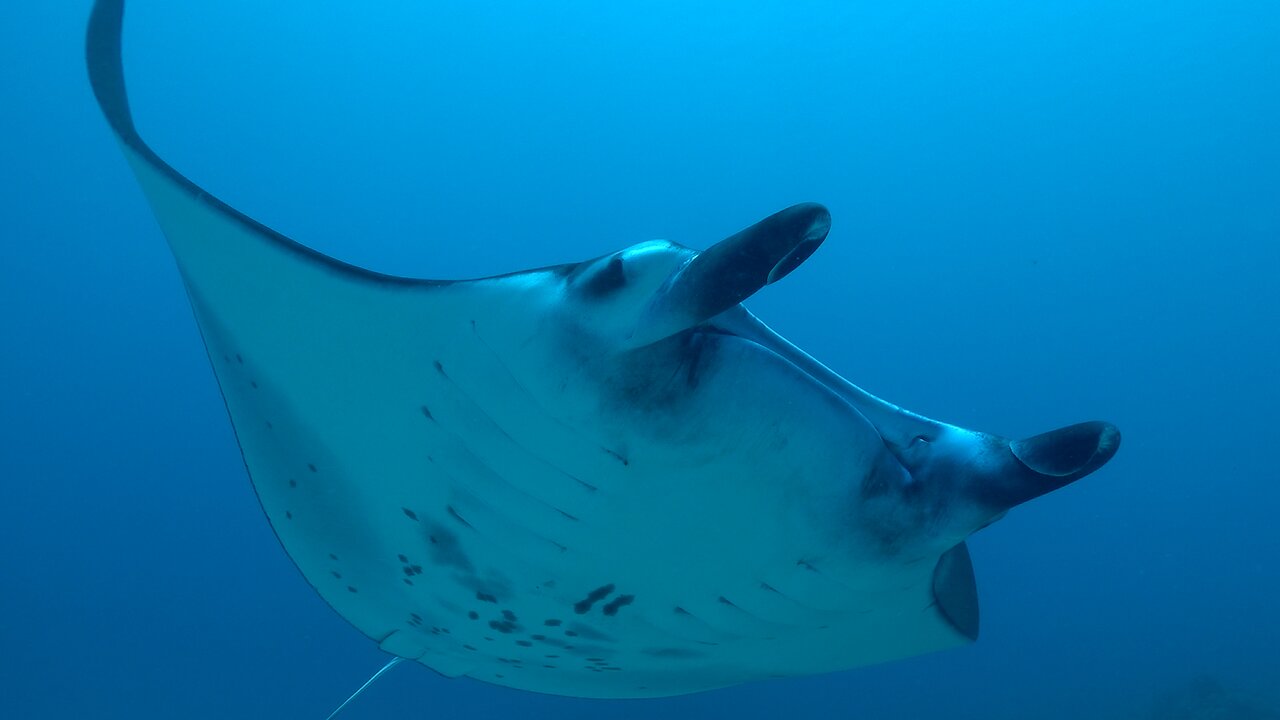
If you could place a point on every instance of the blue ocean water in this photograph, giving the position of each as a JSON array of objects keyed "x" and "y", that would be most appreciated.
[{"x": 1043, "y": 213}]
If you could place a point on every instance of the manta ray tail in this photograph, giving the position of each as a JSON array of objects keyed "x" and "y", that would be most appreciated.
[{"x": 390, "y": 664}]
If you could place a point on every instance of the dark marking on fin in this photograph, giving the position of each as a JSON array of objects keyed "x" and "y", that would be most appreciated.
[
  {"x": 485, "y": 597},
  {"x": 427, "y": 413},
  {"x": 410, "y": 514}
]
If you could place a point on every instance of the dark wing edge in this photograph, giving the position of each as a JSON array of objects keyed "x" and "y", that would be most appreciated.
[{"x": 103, "y": 54}]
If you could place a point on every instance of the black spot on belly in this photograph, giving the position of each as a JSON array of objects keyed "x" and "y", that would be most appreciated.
[
  {"x": 239, "y": 359},
  {"x": 402, "y": 558},
  {"x": 445, "y": 549},
  {"x": 439, "y": 367},
  {"x": 293, "y": 483},
  {"x": 253, "y": 384},
  {"x": 768, "y": 588},
  {"x": 503, "y": 626},
  {"x": 524, "y": 643},
  {"x": 332, "y": 556},
  {"x": 679, "y": 610},
  {"x": 509, "y": 616},
  {"x": 485, "y": 597},
  {"x": 617, "y": 603},
  {"x": 551, "y": 622},
  {"x": 312, "y": 467},
  {"x": 427, "y": 413},
  {"x": 410, "y": 514},
  {"x": 725, "y": 601},
  {"x": 351, "y": 589},
  {"x": 582, "y": 606},
  {"x": 473, "y": 615},
  {"x": 288, "y": 515}
]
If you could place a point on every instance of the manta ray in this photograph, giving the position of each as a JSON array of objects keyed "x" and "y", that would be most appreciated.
[{"x": 601, "y": 479}]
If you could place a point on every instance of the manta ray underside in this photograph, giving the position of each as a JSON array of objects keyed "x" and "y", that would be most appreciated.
[{"x": 601, "y": 479}]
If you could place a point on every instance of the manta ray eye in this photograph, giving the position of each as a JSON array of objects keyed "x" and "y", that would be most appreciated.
[{"x": 604, "y": 278}]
